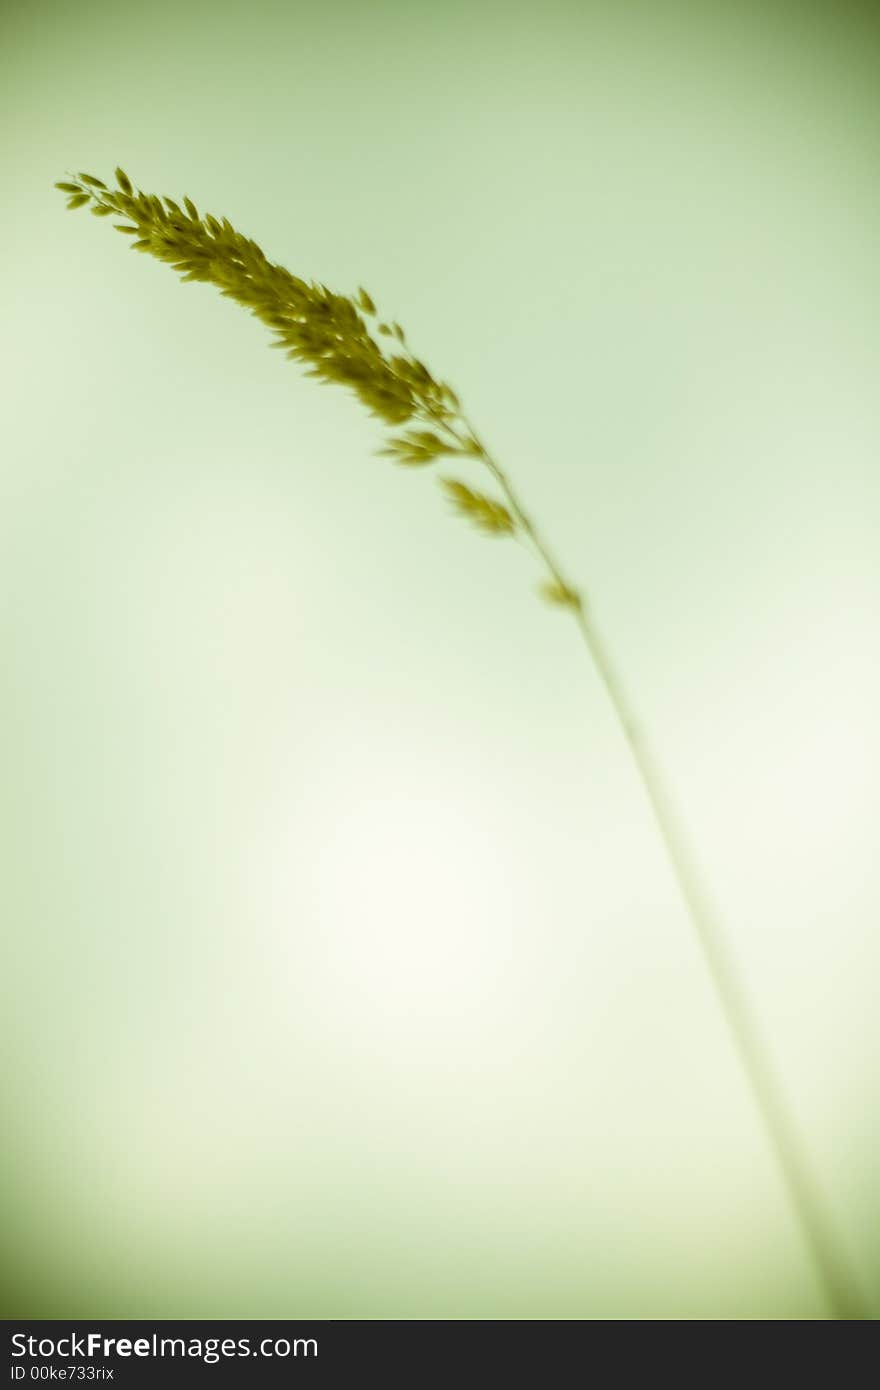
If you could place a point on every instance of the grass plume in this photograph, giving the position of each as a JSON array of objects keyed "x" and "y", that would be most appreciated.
[{"x": 341, "y": 340}]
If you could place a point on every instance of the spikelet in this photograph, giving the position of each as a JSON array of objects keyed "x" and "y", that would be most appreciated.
[
  {"x": 338, "y": 339},
  {"x": 325, "y": 332},
  {"x": 554, "y": 591},
  {"x": 485, "y": 512}
]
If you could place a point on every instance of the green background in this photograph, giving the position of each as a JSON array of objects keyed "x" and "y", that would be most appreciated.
[{"x": 346, "y": 975}]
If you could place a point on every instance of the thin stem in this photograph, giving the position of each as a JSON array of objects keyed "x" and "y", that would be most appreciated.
[
  {"x": 838, "y": 1282},
  {"x": 769, "y": 1096}
]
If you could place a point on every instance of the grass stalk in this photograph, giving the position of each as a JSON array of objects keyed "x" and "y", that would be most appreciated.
[{"x": 341, "y": 340}]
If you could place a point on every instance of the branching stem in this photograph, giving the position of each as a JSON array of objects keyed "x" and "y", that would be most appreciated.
[{"x": 806, "y": 1202}]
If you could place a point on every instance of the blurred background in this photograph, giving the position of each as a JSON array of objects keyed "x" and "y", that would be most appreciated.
[{"x": 346, "y": 976}]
